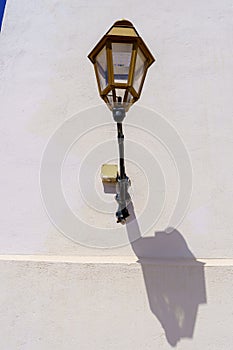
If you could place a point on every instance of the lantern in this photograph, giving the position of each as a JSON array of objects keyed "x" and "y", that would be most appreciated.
[{"x": 121, "y": 60}]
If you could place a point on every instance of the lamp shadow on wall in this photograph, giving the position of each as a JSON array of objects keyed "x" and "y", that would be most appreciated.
[{"x": 174, "y": 279}]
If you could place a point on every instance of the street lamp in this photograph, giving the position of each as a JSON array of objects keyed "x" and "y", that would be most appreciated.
[{"x": 121, "y": 60}]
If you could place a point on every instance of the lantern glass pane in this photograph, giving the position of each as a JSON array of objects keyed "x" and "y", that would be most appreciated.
[
  {"x": 125, "y": 98},
  {"x": 110, "y": 99},
  {"x": 121, "y": 57},
  {"x": 120, "y": 93},
  {"x": 101, "y": 61},
  {"x": 129, "y": 98},
  {"x": 140, "y": 67}
]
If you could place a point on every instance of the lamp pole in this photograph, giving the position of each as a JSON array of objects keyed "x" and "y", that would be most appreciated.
[
  {"x": 120, "y": 137},
  {"x": 123, "y": 182}
]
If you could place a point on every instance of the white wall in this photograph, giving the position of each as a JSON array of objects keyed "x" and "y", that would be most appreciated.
[
  {"x": 108, "y": 303},
  {"x": 46, "y": 79}
]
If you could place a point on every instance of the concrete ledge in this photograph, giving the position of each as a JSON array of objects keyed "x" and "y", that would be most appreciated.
[{"x": 114, "y": 260}]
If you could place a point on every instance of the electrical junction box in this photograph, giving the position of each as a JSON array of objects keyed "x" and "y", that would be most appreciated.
[{"x": 109, "y": 173}]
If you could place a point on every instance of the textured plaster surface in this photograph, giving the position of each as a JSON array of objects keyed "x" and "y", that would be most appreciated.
[
  {"x": 46, "y": 78},
  {"x": 111, "y": 305},
  {"x": 152, "y": 293}
]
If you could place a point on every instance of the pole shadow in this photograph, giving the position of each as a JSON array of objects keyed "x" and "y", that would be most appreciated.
[{"x": 174, "y": 279}]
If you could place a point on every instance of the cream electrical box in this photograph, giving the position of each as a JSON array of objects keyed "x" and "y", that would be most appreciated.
[{"x": 109, "y": 172}]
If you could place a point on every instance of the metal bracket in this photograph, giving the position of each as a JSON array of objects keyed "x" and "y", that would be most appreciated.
[
  {"x": 123, "y": 199},
  {"x": 118, "y": 113}
]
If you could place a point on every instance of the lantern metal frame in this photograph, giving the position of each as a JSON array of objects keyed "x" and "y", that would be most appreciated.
[{"x": 122, "y": 32}]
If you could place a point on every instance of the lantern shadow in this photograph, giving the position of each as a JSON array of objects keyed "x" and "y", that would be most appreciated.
[{"x": 174, "y": 279}]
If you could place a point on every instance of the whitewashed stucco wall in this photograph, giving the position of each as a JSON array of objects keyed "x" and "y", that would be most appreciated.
[
  {"x": 59, "y": 290},
  {"x": 46, "y": 78}
]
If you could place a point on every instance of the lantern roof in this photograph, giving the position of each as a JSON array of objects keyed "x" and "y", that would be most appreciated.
[{"x": 122, "y": 31}]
